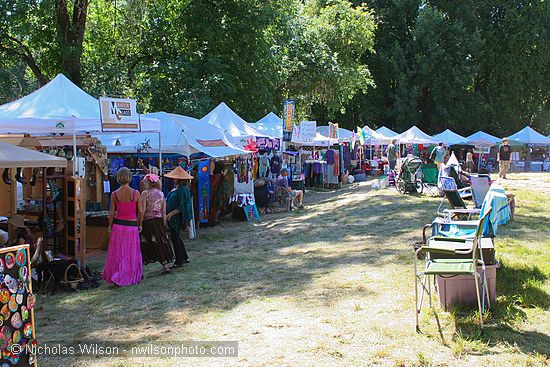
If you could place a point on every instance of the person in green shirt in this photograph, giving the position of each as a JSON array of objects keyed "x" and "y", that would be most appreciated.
[
  {"x": 391, "y": 153},
  {"x": 180, "y": 212}
]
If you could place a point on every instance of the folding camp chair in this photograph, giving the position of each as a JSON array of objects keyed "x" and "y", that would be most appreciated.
[
  {"x": 480, "y": 188},
  {"x": 454, "y": 196},
  {"x": 455, "y": 265},
  {"x": 429, "y": 177}
]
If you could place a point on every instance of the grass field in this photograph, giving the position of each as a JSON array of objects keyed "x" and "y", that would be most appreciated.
[{"x": 332, "y": 285}]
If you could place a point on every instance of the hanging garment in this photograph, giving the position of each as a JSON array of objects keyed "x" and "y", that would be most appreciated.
[
  {"x": 330, "y": 156},
  {"x": 264, "y": 165},
  {"x": 275, "y": 164}
]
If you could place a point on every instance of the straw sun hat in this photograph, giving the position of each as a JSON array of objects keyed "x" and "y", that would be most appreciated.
[
  {"x": 17, "y": 221},
  {"x": 179, "y": 173}
]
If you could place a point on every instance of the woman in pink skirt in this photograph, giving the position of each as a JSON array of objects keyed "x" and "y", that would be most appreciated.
[{"x": 123, "y": 266}]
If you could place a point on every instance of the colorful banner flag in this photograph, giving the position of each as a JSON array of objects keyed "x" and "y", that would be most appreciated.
[{"x": 289, "y": 109}]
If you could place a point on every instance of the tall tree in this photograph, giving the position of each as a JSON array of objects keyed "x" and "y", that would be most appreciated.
[{"x": 71, "y": 25}]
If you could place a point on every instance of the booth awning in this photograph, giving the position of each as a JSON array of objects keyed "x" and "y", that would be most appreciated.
[
  {"x": 12, "y": 156},
  {"x": 343, "y": 134},
  {"x": 224, "y": 118},
  {"x": 449, "y": 137},
  {"x": 388, "y": 133},
  {"x": 180, "y": 134},
  {"x": 482, "y": 139},
  {"x": 270, "y": 124},
  {"x": 528, "y": 135},
  {"x": 58, "y": 107},
  {"x": 415, "y": 136}
]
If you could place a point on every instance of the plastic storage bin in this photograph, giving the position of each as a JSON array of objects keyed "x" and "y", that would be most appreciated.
[{"x": 461, "y": 289}]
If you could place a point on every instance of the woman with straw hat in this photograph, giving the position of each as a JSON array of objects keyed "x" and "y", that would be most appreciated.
[{"x": 180, "y": 210}]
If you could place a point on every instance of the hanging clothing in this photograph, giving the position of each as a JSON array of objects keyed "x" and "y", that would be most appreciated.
[
  {"x": 275, "y": 164},
  {"x": 264, "y": 165},
  {"x": 330, "y": 156}
]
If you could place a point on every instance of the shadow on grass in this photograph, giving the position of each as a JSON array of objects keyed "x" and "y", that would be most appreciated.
[
  {"x": 518, "y": 288},
  {"x": 236, "y": 263}
]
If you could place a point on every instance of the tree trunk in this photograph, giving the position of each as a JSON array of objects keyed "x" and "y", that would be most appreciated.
[{"x": 71, "y": 36}]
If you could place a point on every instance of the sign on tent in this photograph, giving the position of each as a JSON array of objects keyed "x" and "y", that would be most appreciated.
[
  {"x": 119, "y": 114},
  {"x": 308, "y": 131}
]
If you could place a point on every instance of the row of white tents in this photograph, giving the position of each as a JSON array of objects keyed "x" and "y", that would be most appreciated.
[{"x": 60, "y": 107}]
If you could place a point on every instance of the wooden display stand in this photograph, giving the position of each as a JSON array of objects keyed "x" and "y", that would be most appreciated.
[{"x": 75, "y": 245}]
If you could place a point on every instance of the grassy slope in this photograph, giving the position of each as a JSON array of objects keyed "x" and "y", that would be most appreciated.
[{"x": 332, "y": 285}]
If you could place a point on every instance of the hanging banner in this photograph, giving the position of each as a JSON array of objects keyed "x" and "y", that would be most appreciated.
[
  {"x": 289, "y": 109},
  {"x": 118, "y": 114},
  {"x": 308, "y": 131},
  {"x": 204, "y": 190},
  {"x": 267, "y": 143},
  {"x": 333, "y": 131}
]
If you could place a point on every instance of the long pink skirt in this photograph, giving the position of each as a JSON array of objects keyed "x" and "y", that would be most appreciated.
[{"x": 123, "y": 265}]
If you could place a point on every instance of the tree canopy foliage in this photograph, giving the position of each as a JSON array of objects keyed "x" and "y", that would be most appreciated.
[{"x": 437, "y": 64}]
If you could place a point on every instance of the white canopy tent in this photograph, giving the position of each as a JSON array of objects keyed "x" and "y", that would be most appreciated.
[
  {"x": 180, "y": 134},
  {"x": 12, "y": 156},
  {"x": 449, "y": 137},
  {"x": 482, "y": 139},
  {"x": 343, "y": 134},
  {"x": 270, "y": 124},
  {"x": 388, "y": 133},
  {"x": 414, "y": 136},
  {"x": 374, "y": 137},
  {"x": 224, "y": 118},
  {"x": 528, "y": 135},
  {"x": 57, "y": 107},
  {"x": 319, "y": 141}
]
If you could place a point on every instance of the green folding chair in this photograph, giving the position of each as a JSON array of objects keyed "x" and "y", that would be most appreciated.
[
  {"x": 459, "y": 262},
  {"x": 429, "y": 177}
]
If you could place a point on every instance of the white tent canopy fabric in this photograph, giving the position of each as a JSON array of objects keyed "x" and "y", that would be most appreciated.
[
  {"x": 388, "y": 133},
  {"x": 528, "y": 135},
  {"x": 223, "y": 117},
  {"x": 482, "y": 139},
  {"x": 343, "y": 134},
  {"x": 57, "y": 107},
  {"x": 449, "y": 137},
  {"x": 374, "y": 137},
  {"x": 12, "y": 156},
  {"x": 270, "y": 124},
  {"x": 180, "y": 134},
  {"x": 318, "y": 141},
  {"x": 414, "y": 136}
]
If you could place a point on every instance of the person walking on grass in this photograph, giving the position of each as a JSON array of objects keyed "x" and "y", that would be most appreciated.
[
  {"x": 123, "y": 265},
  {"x": 504, "y": 157},
  {"x": 391, "y": 153},
  {"x": 180, "y": 211},
  {"x": 438, "y": 155},
  {"x": 155, "y": 245}
]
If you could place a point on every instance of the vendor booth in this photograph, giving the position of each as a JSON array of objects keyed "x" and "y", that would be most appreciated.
[
  {"x": 531, "y": 150},
  {"x": 58, "y": 118}
]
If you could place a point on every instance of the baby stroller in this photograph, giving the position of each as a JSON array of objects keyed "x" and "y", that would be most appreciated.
[{"x": 409, "y": 179}]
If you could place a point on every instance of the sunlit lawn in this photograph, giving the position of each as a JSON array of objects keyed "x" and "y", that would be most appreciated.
[{"x": 332, "y": 285}]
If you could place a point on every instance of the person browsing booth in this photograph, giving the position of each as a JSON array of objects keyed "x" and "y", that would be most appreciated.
[{"x": 282, "y": 182}]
